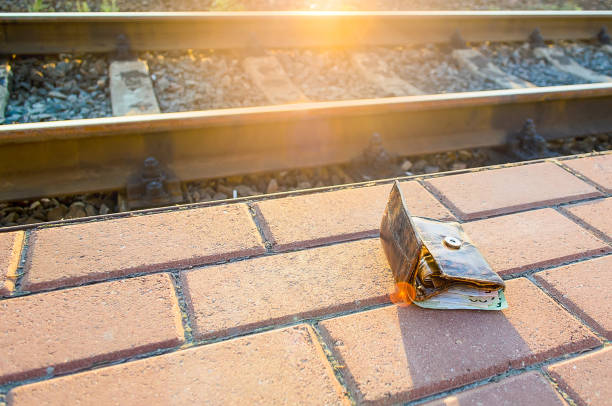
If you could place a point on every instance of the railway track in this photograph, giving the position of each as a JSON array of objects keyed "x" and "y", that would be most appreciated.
[
  {"x": 35, "y": 33},
  {"x": 78, "y": 156}
]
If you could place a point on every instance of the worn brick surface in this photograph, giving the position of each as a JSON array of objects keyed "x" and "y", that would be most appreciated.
[
  {"x": 598, "y": 169},
  {"x": 395, "y": 353},
  {"x": 597, "y": 214},
  {"x": 74, "y": 328},
  {"x": 95, "y": 251},
  {"x": 490, "y": 192},
  {"x": 585, "y": 288},
  {"x": 530, "y": 388},
  {"x": 283, "y": 367},
  {"x": 10, "y": 252},
  {"x": 532, "y": 239},
  {"x": 341, "y": 215},
  {"x": 587, "y": 378},
  {"x": 234, "y": 297}
]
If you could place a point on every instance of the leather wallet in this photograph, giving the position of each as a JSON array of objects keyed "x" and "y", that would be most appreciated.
[{"x": 434, "y": 257}]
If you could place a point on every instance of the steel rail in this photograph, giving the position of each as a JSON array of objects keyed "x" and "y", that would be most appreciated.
[
  {"x": 38, "y": 33},
  {"x": 77, "y": 156}
]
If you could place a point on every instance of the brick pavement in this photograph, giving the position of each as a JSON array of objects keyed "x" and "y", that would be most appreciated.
[
  {"x": 303, "y": 221},
  {"x": 189, "y": 306},
  {"x": 585, "y": 288},
  {"x": 530, "y": 388},
  {"x": 595, "y": 215},
  {"x": 586, "y": 378},
  {"x": 97, "y": 251},
  {"x": 597, "y": 169},
  {"x": 74, "y": 328}
]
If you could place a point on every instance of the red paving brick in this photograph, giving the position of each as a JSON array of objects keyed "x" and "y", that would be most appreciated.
[
  {"x": 491, "y": 192},
  {"x": 587, "y": 378},
  {"x": 338, "y": 216},
  {"x": 396, "y": 354},
  {"x": 10, "y": 252},
  {"x": 530, "y": 388},
  {"x": 243, "y": 295},
  {"x": 391, "y": 354},
  {"x": 532, "y": 239},
  {"x": 586, "y": 289},
  {"x": 597, "y": 169},
  {"x": 74, "y": 328},
  {"x": 283, "y": 367},
  {"x": 101, "y": 250},
  {"x": 597, "y": 214}
]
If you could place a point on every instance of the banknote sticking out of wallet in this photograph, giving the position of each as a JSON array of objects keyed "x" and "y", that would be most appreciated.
[{"x": 434, "y": 263}]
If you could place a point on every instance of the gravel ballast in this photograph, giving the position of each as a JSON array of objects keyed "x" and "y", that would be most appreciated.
[
  {"x": 328, "y": 74},
  {"x": 47, "y": 88},
  {"x": 200, "y": 80},
  {"x": 63, "y": 87},
  {"x": 188, "y": 80},
  {"x": 588, "y": 55}
]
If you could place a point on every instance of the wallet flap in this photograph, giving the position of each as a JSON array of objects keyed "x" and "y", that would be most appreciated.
[
  {"x": 400, "y": 241},
  {"x": 457, "y": 258}
]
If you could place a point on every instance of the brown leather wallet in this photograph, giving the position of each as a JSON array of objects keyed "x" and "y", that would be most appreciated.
[{"x": 430, "y": 255}]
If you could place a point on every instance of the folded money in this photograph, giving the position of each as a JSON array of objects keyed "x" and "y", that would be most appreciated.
[
  {"x": 434, "y": 263},
  {"x": 465, "y": 298}
]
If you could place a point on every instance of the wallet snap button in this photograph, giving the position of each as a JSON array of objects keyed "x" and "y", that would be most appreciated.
[{"x": 452, "y": 242}]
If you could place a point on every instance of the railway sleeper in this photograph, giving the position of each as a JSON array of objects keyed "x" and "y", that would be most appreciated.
[
  {"x": 378, "y": 73},
  {"x": 558, "y": 58},
  {"x": 131, "y": 89},
  {"x": 269, "y": 76},
  {"x": 479, "y": 65},
  {"x": 5, "y": 78}
]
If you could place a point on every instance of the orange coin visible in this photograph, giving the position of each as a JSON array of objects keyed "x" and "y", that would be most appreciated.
[{"x": 404, "y": 294}]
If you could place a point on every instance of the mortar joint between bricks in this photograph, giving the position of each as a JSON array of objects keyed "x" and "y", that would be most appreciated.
[
  {"x": 510, "y": 372},
  {"x": 577, "y": 156},
  {"x": 601, "y": 235},
  {"x": 182, "y": 304},
  {"x": 7, "y": 387},
  {"x": 174, "y": 270},
  {"x": 260, "y": 224},
  {"x": 438, "y": 196},
  {"x": 291, "y": 323},
  {"x": 553, "y": 206},
  {"x": 593, "y": 199},
  {"x": 567, "y": 309},
  {"x": 25, "y": 245},
  {"x": 580, "y": 176},
  {"x": 333, "y": 362},
  {"x": 558, "y": 388},
  {"x": 314, "y": 325},
  {"x": 531, "y": 271}
]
